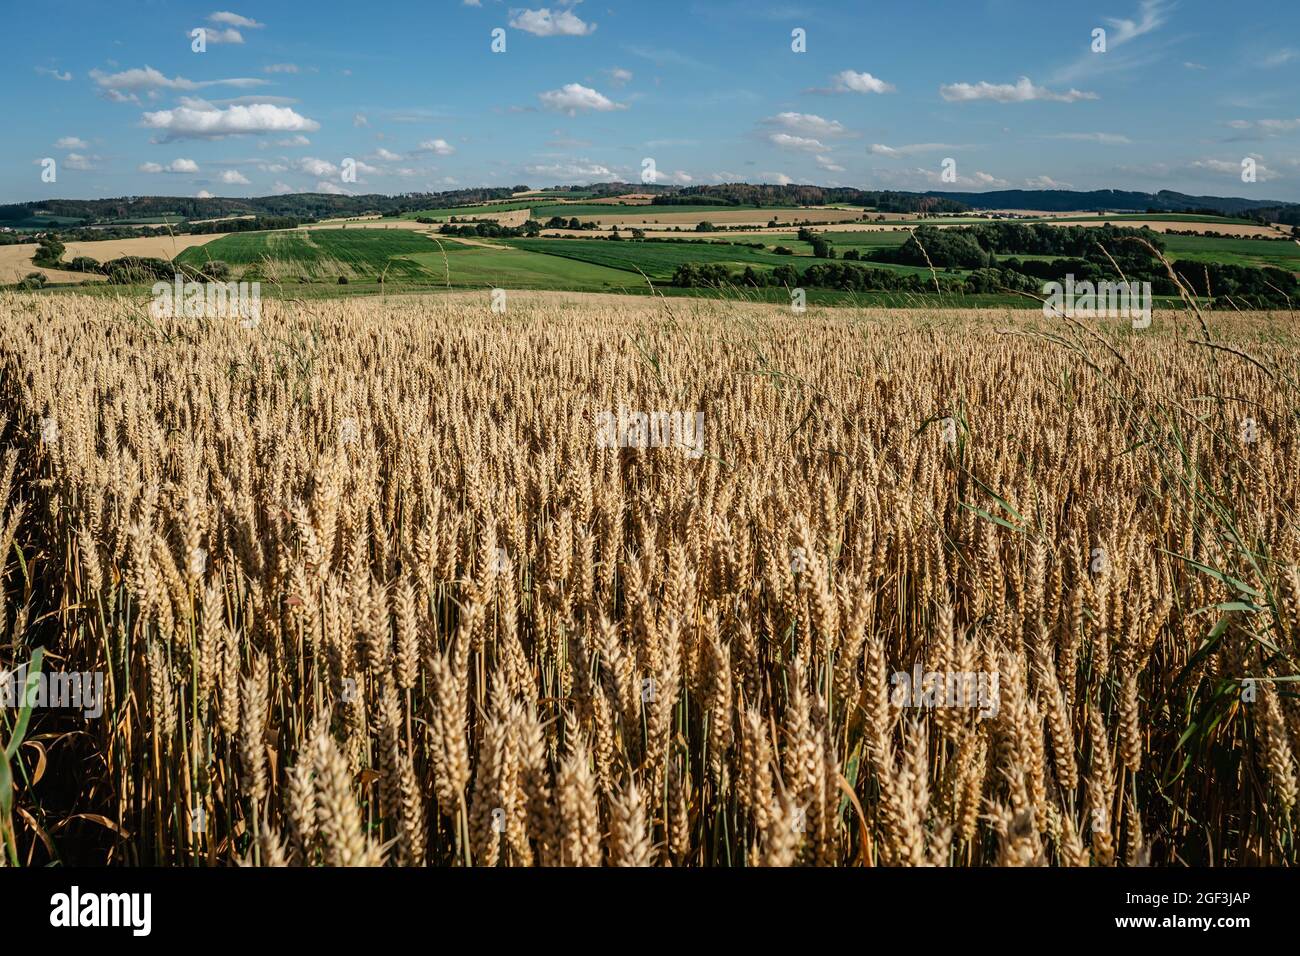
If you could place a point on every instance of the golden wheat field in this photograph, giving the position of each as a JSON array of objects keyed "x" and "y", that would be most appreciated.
[{"x": 367, "y": 587}]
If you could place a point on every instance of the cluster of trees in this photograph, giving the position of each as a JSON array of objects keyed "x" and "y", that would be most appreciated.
[
  {"x": 978, "y": 247},
  {"x": 490, "y": 230},
  {"x": 699, "y": 199},
  {"x": 256, "y": 224},
  {"x": 49, "y": 250},
  {"x": 602, "y": 190},
  {"x": 1246, "y": 286},
  {"x": 559, "y": 222},
  {"x": 1286, "y": 215},
  {"x": 821, "y": 246},
  {"x": 133, "y": 270},
  {"x": 130, "y": 270},
  {"x": 1090, "y": 254},
  {"x": 1215, "y": 234},
  {"x": 969, "y": 247},
  {"x": 844, "y": 277}
]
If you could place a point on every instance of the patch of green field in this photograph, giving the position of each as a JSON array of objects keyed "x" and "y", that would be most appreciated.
[
  {"x": 483, "y": 209},
  {"x": 509, "y": 268},
  {"x": 1278, "y": 253},
  {"x": 841, "y": 241},
  {"x": 410, "y": 260},
  {"x": 317, "y": 254},
  {"x": 42, "y": 221},
  {"x": 1258, "y": 253},
  {"x": 658, "y": 260},
  {"x": 545, "y": 209}
]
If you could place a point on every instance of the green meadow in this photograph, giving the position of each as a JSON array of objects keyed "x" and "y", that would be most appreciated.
[{"x": 365, "y": 258}]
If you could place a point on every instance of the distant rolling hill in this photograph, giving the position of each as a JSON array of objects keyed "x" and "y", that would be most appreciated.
[
  {"x": 74, "y": 212},
  {"x": 1108, "y": 200}
]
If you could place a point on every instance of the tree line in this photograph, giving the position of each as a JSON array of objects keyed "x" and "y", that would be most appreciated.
[{"x": 766, "y": 194}]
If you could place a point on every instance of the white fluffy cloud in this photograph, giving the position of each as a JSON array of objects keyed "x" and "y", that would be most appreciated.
[
  {"x": 439, "y": 147},
  {"x": 1232, "y": 167},
  {"x": 234, "y": 20},
  {"x": 581, "y": 170},
  {"x": 79, "y": 162},
  {"x": 619, "y": 76},
  {"x": 675, "y": 178},
  {"x": 805, "y": 143},
  {"x": 147, "y": 78},
  {"x": 1272, "y": 127},
  {"x": 544, "y": 23},
  {"x": 325, "y": 186},
  {"x": 1021, "y": 91},
  {"x": 71, "y": 142},
  {"x": 234, "y": 177},
  {"x": 189, "y": 123},
  {"x": 1109, "y": 139},
  {"x": 175, "y": 166},
  {"x": 908, "y": 149},
  {"x": 807, "y": 124},
  {"x": 46, "y": 71},
  {"x": 203, "y": 194},
  {"x": 230, "y": 21},
  {"x": 850, "y": 81},
  {"x": 910, "y": 178},
  {"x": 574, "y": 98},
  {"x": 1045, "y": 182},
  {"x": 828, "y": 163},
  {"x": 215, "y": 35},
  {"x": 317, "y": 167}
]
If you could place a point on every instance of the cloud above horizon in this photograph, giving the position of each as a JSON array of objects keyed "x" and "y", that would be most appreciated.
[
  {"x": 189, "y": 123},
  {"x": 574, "y": 98},
  {"x": 1021, "y": 91}
]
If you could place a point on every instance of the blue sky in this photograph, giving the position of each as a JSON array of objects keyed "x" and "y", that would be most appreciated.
[{"x": 711, "y": 92}]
